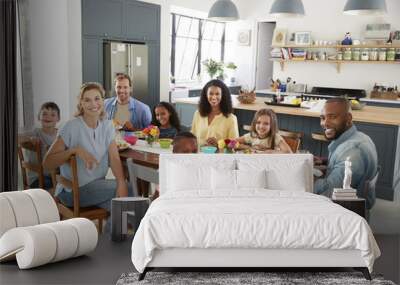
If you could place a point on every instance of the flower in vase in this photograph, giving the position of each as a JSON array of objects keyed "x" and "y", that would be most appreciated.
[{"x": 151, "y": 133}]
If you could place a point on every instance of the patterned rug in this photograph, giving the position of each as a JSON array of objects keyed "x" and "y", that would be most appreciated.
[{"x": 243, "y": 278}]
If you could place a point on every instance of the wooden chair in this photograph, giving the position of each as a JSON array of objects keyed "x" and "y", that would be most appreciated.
[
  {"x": 91, "y": 213},
  {"x": 32, "y": 144},
  {"x": 321, "y": 139},
  {"x": 293, "y": 139}
]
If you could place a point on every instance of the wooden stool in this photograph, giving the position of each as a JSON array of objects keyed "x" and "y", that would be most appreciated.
[{"x": 124, "y": 208}]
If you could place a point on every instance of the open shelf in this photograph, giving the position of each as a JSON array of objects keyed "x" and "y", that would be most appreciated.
[{"x": 338, "y": 63}]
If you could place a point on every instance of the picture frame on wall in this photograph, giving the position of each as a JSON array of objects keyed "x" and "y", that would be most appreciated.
[
  {"x": 279, "y": 37},
  {"x": 244, "y": 37},
  {"x": 302, "y": 38}
]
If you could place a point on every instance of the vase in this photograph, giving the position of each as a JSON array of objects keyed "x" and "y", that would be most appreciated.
[{"x": 150, "y": 140}]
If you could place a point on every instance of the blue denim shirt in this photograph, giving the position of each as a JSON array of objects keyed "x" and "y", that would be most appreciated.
[
  {"x": 140, "y": 112},
  {"x": 364, "y": 163}
]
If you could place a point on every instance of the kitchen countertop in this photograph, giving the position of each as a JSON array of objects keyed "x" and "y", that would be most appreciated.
[
  {"x": 369, "y": 114},
  {"x": 199, "y": 86}
]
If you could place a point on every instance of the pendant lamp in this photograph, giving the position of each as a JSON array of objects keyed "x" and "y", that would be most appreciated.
[
  {"x": 287, "y": 8},
  {"x": 223, "y": 10},
  {"x": 365, "y": 7}
]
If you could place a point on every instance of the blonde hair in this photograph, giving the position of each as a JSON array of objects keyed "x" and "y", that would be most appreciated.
[
  {"x": 273, "y": 124},
  {"x": 87, "y": 87}
]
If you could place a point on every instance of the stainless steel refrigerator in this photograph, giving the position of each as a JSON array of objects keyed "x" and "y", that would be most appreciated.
[{"x": 128, "y": 58}]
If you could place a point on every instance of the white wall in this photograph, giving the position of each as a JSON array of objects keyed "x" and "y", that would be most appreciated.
[{"x": 55, "y": 53}]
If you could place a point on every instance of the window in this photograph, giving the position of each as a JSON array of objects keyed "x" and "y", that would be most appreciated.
[{"x": 194, "y": 40}]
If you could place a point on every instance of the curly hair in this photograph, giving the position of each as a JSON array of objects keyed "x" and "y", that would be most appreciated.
[
  {"x": 84, "y": 88},
  {"x": 226, "y": 101},
  {"x": 273, "y": 124},
  {"x": 173, "y": 116}
]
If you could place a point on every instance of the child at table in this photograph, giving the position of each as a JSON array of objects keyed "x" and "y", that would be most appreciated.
[
  {"x": 48, "y": 116},
  {"x": 264, "y": 134},
  {"x": 166, "y": 119}
]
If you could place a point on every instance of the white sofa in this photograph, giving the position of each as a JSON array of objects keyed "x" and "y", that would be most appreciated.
[{"x": 31, "y": 230}]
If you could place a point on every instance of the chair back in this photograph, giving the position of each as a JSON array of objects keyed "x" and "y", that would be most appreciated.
[
  {"x": 32, "y": 144},
  {"x": 142, "y": 172},
  {"x": 369, "y": 189},
  {"x": 293, "y": 139},
  {"x": 74, "y": 186},
  {"x": 92, "y": 213}
]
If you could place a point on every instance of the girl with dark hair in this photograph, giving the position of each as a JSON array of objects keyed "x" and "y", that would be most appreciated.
[
  {"x": 214, "y": 119},
  {"x": 264, "y": 134},
  {"x": 166, "y": 119}
]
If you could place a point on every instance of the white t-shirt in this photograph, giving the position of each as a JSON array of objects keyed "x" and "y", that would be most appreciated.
[{"x": 266, "y": 142}]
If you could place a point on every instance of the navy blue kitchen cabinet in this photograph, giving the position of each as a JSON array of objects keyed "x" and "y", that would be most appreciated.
[
  {"x": 120, "y": 20},
  {"x": 142, "y": 21},
  {"x": 103, "y": 18},
  {"x": 92, "y": 49}
]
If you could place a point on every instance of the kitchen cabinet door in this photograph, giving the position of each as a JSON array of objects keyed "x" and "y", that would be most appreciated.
[
  {"x": 142, "y": 21},
  {"x": 92, "y": 59},
  {"x": 103, "y": 18}
]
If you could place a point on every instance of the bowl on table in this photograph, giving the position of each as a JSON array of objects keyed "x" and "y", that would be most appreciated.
[
  {"x": 208, "y": 149},
  {"x": 130, "y": 139},
  {"x": 165, "y": 143}
]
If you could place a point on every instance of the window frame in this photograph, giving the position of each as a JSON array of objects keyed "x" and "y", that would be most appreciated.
[{"x": 199, "y": 58}]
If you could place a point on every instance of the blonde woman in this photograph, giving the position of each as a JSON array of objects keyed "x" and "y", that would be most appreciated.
[{"x": 90, "y": 137}]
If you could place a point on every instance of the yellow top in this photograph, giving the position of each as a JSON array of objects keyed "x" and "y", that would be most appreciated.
[{"x": 221, "y": 127}]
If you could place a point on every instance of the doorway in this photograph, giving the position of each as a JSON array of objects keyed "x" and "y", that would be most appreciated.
[{"x": 264, "y": 66}]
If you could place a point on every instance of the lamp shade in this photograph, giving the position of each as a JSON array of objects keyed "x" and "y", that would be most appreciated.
[
  {"x": 365, "y": 7},
  {"x": 223, "y": 10},
  {"x": 287, "y": 8}
]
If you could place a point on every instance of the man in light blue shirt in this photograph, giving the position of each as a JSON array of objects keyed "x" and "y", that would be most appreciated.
[
  {"x": 346, "y": 141},
  {"x": 125, "y": 110}
]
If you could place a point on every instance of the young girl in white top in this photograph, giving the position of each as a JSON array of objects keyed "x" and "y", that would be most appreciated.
[{"x": 264, "y": 135}]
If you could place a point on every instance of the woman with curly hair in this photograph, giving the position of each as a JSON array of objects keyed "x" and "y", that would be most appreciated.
[
  {"x": 166, "y": 119},
  {"x": 214, "y": 119}
]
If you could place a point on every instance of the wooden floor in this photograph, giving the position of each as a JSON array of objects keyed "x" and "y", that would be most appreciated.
[{"x": 111, "y": 259}]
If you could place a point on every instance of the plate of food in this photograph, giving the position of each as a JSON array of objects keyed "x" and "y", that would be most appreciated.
[
  {"x": 139, "y": 134},
  {"x": 122, "y": 145}
]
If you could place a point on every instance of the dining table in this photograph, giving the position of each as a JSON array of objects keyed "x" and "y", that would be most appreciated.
[{"x": 143, "y": 154}]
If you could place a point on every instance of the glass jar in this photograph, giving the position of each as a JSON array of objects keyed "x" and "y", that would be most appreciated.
[
  {"x": 356, "y": 54},
  {"x": 397, "y": 56},
  {"x": 390, "y": 55},
  {"x": 339, "y": 56},
  {"x": 373, "y": 54},
  {"x": 382, "y": 54},
  {"x": 347, "y": 54},
  {"x": 365, "y": 54}
]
